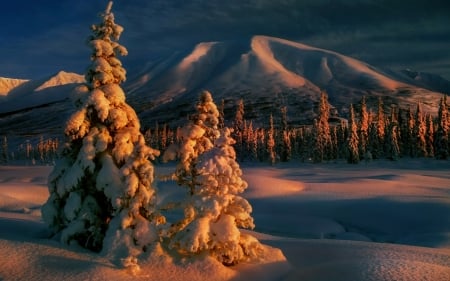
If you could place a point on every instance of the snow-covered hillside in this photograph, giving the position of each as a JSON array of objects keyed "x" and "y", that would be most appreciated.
[
  {"x": 7, "y": 84},
  {"x": 35, "y": 93},
  {"x": 266, "y": 72},
  {"x": 375, "y": 221}
]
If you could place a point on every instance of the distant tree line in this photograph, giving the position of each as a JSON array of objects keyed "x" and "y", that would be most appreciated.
[
  {"x": 367, "y": 134},
  {"x": 40, "y": 151}
]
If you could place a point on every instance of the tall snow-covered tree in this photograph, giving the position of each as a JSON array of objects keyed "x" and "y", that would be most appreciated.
[
  {"x": 101, "y": 189},
  {"x": 352, "y": 140},
  {"x": 322, "y": 141},
  {"x": 442, "y": 131}
]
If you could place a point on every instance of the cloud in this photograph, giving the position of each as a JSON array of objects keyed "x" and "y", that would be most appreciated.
[{"x": 377, "y": 30}]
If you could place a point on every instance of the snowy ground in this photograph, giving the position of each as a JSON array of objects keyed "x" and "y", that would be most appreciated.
[{"x": 374, "y": 221}]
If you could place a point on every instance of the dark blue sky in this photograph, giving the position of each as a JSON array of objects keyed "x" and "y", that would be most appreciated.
[{"x": 39, "y": 38}]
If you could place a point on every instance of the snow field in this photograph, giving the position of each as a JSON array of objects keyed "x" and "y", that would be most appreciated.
[{"x": 405, "y": 202}]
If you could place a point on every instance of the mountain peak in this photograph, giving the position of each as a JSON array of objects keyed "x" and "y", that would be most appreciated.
[
  {"x": 8, "y": 84},
  {"x": 61, "y": 78}
]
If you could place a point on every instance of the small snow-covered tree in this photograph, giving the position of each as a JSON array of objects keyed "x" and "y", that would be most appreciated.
[
  {"x": 352, "y": 140},
  {"x": 101, "y": 190},
  {"x": 213, "y": 210},
  {"x": 197, "y": 137},
  {"x": 216, "y": 211}
]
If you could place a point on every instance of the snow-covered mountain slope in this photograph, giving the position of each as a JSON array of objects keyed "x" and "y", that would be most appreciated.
[
  {"x": 7, "y": 84},
  {"x": 35, "y": 93},
  {"x": 266, "y": 72}
]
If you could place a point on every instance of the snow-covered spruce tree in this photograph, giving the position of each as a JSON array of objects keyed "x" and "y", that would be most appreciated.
[
  {"x": 420, "y": 130},
  {"x": 363, "y": 128},
  {"x": 238, "y": 132},
  {"x": 322, "y": 136},
  {"x": 271, "y": 142},
  {"x": 197, "y": 137},
  {"x": 213, "y": 211},
  {"x": 378, "y": 141},
  {"x": 409, "y": 137},
  {"x": 286, "y": 148},
  {"x": 430, "y": 135},
  {"x": 392, "y": 149},
  {"x": 101, "y": 193},
  {"x": 442, "y": 131},
  {"x": 352, "y": 140}
]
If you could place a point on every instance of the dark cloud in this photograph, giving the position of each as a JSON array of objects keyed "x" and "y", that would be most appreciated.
[{"x": 50, "y": 34}]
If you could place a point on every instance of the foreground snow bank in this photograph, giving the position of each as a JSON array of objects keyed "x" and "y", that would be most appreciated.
[{"x": 392, "y": 202}]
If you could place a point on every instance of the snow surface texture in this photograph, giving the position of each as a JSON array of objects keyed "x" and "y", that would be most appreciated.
[{"x": 405, "y": 205}]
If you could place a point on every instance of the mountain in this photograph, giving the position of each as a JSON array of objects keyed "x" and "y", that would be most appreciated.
[
  {"x": 33, "y": 93},
  {"x": 266, "y": 72},
  {"x": 7, "y": 84}
]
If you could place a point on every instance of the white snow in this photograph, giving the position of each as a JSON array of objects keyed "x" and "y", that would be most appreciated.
[{"x": 372, "y": 221}]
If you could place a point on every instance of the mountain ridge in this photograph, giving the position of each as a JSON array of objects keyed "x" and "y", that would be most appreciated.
[{"x": 266, "y": 72}]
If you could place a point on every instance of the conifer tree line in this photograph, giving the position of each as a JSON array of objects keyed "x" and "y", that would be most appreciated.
[
  {"x": 38, "y": 151},
  {"x": 367, "y": 134}
]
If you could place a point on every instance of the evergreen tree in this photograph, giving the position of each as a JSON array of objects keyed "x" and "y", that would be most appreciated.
[
  {"x": 391, "y": 138},
  {"x": 322, "y": 136},
  {"x": 352, "y": 140},
  {"x": 4, "y": 154},
  {"x": 442, "y": 131},
  {"x": 271, "y": 142},
  {"x": 214, "y": 211},
  {"x": 238, "y": 132},
  {"x": 430, "y": 136},
  {"x": 197, "y": 137},
  {"x": 420, "y": 130},
  {"x": 363, "y": 128},
  {"x": 101, "y": 190},
  {"x": 222, "y": 115},
  {"x": 380, "y": 131},
  {"x": 286, "y": 149},
  {"x": 410, "y": 138}
]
